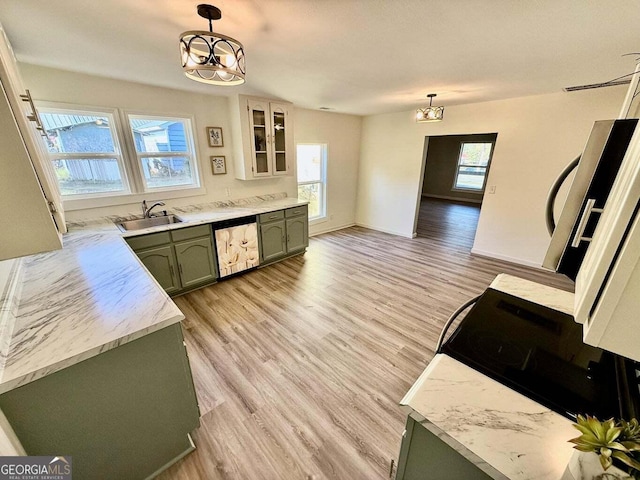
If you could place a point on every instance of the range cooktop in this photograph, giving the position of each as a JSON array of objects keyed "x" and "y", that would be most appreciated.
[{"x": 539, "y": 352}]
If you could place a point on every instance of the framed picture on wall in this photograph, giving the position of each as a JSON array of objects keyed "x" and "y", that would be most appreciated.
[
  {"x": 215, "y": 136},
  {"x": 218, "y": 165}
]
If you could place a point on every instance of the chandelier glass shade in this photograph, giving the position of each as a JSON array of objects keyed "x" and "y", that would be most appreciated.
[
  {"x": 209, "y": 57},
  {"x": 430, "y": 113}
]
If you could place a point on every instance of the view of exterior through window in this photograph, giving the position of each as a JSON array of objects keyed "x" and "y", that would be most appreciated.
[
  {"x": 87, "y": 157},
  {"x": 163, "y": 151},
  {"x": 473, "y": 163},
  {"x": 312, "y": 159}
]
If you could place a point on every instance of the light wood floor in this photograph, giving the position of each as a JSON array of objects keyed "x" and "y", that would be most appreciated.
[{"x": 299, "y": 366}]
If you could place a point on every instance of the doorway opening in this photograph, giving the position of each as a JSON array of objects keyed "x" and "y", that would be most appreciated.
[{"x": 456, "y": 169}]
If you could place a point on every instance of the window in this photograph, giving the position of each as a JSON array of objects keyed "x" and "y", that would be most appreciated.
[
  {"x": 473, "y": 163},
  {"x": 312, "y": 165},
  {"x": 164, "y": 150},
  {"x": 94, "y": 158},
  {"x": 84, "y": 152}
]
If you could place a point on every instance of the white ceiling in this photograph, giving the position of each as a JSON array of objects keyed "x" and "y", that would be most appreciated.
[{"x": 353, "y": 56}]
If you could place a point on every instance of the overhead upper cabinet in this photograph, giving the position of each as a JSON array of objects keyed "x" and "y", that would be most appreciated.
[
  {"x": 31, "y": 212},
  {"x": 263, "y": 138}
]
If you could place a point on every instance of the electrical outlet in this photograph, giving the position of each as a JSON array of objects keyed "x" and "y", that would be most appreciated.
[
  {"x": 228, "y": 190},
  {"x": 492, "y": 189}
]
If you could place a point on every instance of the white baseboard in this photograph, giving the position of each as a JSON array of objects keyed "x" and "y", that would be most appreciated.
[
  {"x": 377, "y": 229},
  {"x": 506, "y": 258},
  {"x": 331, "y": 229},
  {"x": 457, "y": 199}
]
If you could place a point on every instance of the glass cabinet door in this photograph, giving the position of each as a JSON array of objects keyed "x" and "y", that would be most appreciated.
[
  {"x": 278, "y": 117},
  {"x": 258, "y": 117}
]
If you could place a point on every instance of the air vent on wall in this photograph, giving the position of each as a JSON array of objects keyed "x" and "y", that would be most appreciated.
[{"x": 596, "y": 85}]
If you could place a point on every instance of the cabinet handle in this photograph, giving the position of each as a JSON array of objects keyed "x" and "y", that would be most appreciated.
[
  {"x": 288, "y": 238},
  {"x": 273, "y": 216},
  {"x": 584, "y": 219},
  {"x": 172, "y": 271},
  {"x": 180, "y": 268}
]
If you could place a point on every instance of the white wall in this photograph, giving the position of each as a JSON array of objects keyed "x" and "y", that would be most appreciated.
[
  {"x": 342, "y": 135},
  {"x": 209, "y": 110},
  {"x": 537, "y": 137}
]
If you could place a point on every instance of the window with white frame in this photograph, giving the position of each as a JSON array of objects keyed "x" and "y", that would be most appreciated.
[
  {"x": 94, "y": 157},
  {"x": 85, "y": 152},
  {"x": 164, "y": 150},
  {"x": 312, "y": 167},
  {"x": 473, "y": 163}
]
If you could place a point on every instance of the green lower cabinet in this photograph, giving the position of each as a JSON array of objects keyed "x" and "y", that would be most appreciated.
[
  {"x": 196, "y": 262},
  {"x": 124, "y": 414},
  {"x": 297, "y": 234},
  {"x": 283, "y": 233},
  {"x": 272, "y": 241},
  {"x": 161, "y": 263},
  {"x": 179, "y": 260},
  {"x": 423, "y": 456}
]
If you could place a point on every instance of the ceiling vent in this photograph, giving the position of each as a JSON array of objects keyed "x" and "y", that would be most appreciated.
[{"x": 596, "y": 85}]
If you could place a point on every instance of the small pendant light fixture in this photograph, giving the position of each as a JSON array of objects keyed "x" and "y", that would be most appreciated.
[
  {"x": 430, "y": 113},
  {"x": 211, "y": 58}
]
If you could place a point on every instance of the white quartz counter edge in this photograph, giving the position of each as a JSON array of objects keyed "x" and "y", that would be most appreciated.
[
  {"x": 516, "y": 436},
  {"x": 92, "y": 296},
  {"x": 534, "y": 292}
]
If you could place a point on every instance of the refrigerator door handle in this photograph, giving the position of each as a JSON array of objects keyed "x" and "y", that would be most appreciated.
[
  {"x": 584, "y": 219},
  {"x": 553, "y": 193}
]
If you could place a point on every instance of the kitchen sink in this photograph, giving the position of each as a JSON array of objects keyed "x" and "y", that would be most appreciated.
[{"x": 143, "y": 223}]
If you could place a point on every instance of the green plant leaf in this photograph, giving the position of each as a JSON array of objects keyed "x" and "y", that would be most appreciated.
[
  {"x": 582, "y": 440},
  {"x": 584, "y": 448},
  {"x": 626, "y": 459},
  {"x": 613, "y": 433},
  {"x": 583, "y": 429},
  {"x": 617, "y": 446},
  {"x": 632, "y": 446},
  {"x": 596, "y": 427}
]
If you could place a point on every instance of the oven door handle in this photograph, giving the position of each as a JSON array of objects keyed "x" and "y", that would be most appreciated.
[{"x": 452, "y": 318}]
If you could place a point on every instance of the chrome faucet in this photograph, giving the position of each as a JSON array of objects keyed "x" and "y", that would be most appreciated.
[{"x": 146, "y": 212}]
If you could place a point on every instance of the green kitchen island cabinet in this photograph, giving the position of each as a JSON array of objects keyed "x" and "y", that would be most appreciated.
[
  {"x": 424, "y": 456},
  {"x": 126, "y": 413}
]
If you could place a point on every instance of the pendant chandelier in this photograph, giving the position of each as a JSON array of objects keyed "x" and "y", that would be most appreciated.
[
  {"x": 430, "y": 113},
  {"x": 209, "y": 57}
]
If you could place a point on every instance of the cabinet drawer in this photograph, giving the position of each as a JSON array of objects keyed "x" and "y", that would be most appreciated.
[
  {"x": 191, "y": 232},
  {"x": 295, "y": 212},
  {"x": 148, "y": 241},
  {"x": 271, "y": 216}
]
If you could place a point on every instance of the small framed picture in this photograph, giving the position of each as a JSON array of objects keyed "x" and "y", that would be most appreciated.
[
  {"x": 215, "y": 136},
  {"x": 218, "y": 165}
]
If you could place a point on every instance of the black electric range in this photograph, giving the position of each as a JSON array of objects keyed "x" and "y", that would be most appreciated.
[{"x": 539, "y": 352}]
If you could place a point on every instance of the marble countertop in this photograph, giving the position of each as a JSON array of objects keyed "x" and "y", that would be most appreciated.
[
  {"x": 534, "y": 292},
  {"x": 65, "y": 306},
  {"x": 504, "y": 433}
]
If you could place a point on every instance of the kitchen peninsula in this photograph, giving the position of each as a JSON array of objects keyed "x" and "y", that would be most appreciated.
[
  {"x": 480, "y": 427},
  {"x": 93, "y": 361}
]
